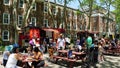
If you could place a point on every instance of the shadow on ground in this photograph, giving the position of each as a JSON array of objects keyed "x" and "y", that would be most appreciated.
[
  {"x": 64, "y": 64},
  {"x": 110, "y": 62}
]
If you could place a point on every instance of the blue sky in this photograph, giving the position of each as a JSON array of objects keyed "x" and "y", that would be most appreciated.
[{"x": 73, "y": 4}]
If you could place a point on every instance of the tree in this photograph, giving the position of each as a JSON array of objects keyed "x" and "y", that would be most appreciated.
[
  {"x": 64, "y": 18},
  {"x": 29, "y": 4},
  {"x": 87, "y": 6},
  {"x": 116, "y": 5},
  {"x": 28, "y": 10},
  {"x": 51, "y": 11},
  {"x": 107, "y": 4}
]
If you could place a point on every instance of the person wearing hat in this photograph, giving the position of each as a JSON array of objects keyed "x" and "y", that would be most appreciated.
[{"x": 6, "y": 54}]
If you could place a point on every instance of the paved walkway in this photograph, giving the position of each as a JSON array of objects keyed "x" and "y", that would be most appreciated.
[{"x": 111, "y": 62}]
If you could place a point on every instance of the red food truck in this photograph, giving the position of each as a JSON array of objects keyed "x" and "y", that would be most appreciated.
[{"x": 29, "y": 32}]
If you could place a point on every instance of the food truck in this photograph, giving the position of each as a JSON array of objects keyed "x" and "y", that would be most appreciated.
[{"x": 40, "y": 33}]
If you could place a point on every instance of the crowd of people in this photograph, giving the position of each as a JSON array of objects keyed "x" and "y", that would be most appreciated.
[{"x": 94, "y": 49}]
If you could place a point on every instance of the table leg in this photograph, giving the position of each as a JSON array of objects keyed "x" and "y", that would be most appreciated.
[{"x": 71, "y": 65}]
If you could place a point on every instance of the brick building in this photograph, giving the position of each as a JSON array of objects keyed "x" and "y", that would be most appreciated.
[
  {"x": 100, "y": 23},
  {"x": 40, "y": 16}
]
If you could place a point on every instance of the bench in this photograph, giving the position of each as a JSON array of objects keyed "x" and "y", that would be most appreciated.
[
  {"x": 113, "y": 51},
  {"x": 71, "y": 61}
]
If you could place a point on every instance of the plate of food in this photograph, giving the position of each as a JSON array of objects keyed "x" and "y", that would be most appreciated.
[{"x": 29, "y": 58}]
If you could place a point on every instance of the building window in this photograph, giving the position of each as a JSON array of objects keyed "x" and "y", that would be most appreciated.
[
  {"x": 33, "y": 21},
  {"x": 62, "y": 13},
  {"x": 55, "y": 24},
  {"x": 95, "y": 19},
  {"x": 75, "y": 16},
  {"x": 46, "y": 0},
  {"x": 21, "y": 2},
  {"x": 5, "y": 35},
  {"x": 62, "y": 25},
  {"x": 69, "y": 14},
  {"x": 105, "y": 20},
  {"x": 68, "y": 26},
  {"x": 34, "y": 6},
  {"x": 45, "y": 22},
  {"x": 6, "y": 18},
  {"x": 20, "y": 20},
  {"x": 54, "y": 11},
  {"x": 6, "y": 2},
  {"x": 45, "y": 8},
  {"x": 74, "y": 26}
]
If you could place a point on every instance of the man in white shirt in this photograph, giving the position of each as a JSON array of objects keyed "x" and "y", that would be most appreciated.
[
  {"x": 67, "y": 41},
  {"x": 61, "y": 42}
]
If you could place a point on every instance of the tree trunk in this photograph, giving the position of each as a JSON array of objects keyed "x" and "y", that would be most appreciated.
[
  {"x": 64, "y": 15},
  {"x": 90, "y": 13},
  {"x": 27, "y": 13},
  {"x": 15, "y": 21}
]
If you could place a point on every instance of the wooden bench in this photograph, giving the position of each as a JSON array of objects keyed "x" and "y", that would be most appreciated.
[
  {"x": 71, "y": 61},
  {"x": 113, "y": 51}
]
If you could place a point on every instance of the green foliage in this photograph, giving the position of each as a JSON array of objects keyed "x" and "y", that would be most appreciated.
[
  {"x": 72, "y": 40},
  {"x": 87, "y": 6},
  {"x": 79, "y": 12},
  {"x": 116, "y": 4},
  {"x": 2, "y": 48},
  {"x": 0, "y": 41},
  {"x": 67, "y": 1}
]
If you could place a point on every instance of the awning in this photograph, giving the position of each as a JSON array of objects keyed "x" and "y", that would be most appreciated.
[
  {"x": 54, "y": 30},
  {"x": 91, "y": 32}
]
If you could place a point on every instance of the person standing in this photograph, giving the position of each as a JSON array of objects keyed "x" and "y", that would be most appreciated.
[
  {"x": 60, "y": 42},
  {"x": 46, "y": 41},
  {"x": 67, "y": 42},
  {"x": 89, "y": 42},
  {"x": 88, "y": 45},
  {"x": 101, "y": 51}
]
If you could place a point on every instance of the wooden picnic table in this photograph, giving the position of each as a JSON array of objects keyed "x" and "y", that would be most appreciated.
[
  {"x": 63, "y": 54},
  {"x": 113, "y": 50},
  {"x": 78, "y": 55}
]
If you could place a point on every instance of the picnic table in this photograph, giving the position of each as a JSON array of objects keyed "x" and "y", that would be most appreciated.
[
  {"x": 26, "y": 60},
  {"x": 113, "y": 50},
  {"x": 63, "y": 54}
]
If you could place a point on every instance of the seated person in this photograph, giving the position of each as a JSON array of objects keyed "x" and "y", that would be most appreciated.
[
  {"x": 78, "y": 48},
  {"x": 6, "y": 54},
  {"x": 13, "y": 58},
  {"x": 70, "y": 55},
  {"x": 38, "y": 56},
  {"x": 29, "y": 50},
  {"x": 23, "y": 49},
  {"x": 50, "y": 49}
]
